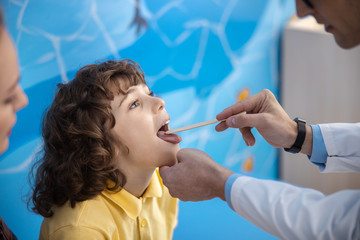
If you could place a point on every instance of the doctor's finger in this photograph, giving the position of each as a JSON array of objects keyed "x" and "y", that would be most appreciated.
[
  {"x": 242, "y": 120},
  {"x": 252, "y": 104},
  {"x": 221, "y": 127},
  {"x": 164, "y": 170},
  {"x": 247, "y": 136}
]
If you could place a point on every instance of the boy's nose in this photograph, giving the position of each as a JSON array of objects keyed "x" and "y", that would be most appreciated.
[
  {"x": 158, "y": 104},
  {"x": 302, "y": 9},
  {"x": 22, "y": 100}
]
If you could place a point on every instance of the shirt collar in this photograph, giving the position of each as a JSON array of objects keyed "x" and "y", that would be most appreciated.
[{"x": 131, "y": 204}]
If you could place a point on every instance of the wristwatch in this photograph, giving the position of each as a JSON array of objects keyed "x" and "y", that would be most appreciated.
[{"x": 296, "y": 147}]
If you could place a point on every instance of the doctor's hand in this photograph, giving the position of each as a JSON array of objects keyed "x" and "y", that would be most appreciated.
[
  {"x": 196, "y": 176},
  {"x": 264, "y": 113}
]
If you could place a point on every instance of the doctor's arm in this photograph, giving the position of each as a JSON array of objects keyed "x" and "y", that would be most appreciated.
[
  {"x": 281, "y": 209},
  {"x": 291, "y": 212}
]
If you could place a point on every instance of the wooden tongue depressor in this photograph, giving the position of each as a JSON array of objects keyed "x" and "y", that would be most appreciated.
[{"x": 193, "y": 126}]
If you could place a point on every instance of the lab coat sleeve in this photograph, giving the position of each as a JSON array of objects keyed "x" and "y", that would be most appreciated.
[
  {"x": 342, "y": 142},
  {"x": 291, "y": 212}
]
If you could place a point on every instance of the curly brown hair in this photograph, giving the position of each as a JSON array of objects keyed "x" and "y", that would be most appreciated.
[{"x": 79, "y": 149}]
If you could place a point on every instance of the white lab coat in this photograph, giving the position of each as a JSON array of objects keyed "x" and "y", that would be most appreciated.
[
  {"x": 291, "y": 212},
  {"x": 342, "y": 142}
]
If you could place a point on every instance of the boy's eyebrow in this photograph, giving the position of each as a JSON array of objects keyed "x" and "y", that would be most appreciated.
[{"x": 126, "y": 95}]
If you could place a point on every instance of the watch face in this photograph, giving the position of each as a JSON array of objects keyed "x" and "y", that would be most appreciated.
[{"x": 299, "y": 120}]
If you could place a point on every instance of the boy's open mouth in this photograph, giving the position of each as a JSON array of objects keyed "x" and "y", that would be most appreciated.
[{"x": 171, "y": 138}]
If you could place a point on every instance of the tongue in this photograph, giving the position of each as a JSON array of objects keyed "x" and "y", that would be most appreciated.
[{"x": 171, "y": 138}]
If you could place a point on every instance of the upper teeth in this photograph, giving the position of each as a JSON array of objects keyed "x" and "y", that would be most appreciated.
[{"x": 167, "y": 122}]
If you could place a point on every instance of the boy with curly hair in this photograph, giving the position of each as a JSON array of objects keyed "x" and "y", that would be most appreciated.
[{"x": 103, "y": 142}]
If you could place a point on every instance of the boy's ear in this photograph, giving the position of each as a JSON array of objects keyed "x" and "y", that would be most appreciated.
[
  {"x": 116, "y": 151},
  {"x": 121, "y": 150}
]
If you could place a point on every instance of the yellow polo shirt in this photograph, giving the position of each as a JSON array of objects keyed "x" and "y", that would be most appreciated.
[{"x": 116, "y": 216}]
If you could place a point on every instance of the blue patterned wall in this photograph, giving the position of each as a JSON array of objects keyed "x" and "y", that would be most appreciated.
[{"x": 199, "y": 56}]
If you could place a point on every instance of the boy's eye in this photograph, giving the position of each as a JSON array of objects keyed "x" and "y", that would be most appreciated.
[
  {"x": 152, "y": 93},
  {"x": 134, "y": 104}
]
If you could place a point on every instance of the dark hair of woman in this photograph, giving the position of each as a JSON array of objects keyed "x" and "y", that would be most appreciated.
[{"x": 78, "y": 156}]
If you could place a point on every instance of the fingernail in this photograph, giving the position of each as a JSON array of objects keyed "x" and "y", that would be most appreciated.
[{"x": 232, "y": 121}]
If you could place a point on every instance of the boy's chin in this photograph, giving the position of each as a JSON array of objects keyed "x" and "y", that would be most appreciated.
[
  {"x": 167, "y": 155},
  {"x": 4, "y": 145},
  {"x": 170, "y": 161}
]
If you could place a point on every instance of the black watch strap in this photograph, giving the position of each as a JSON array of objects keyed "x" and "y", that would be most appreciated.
[{"x": 296, "y": 147}]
